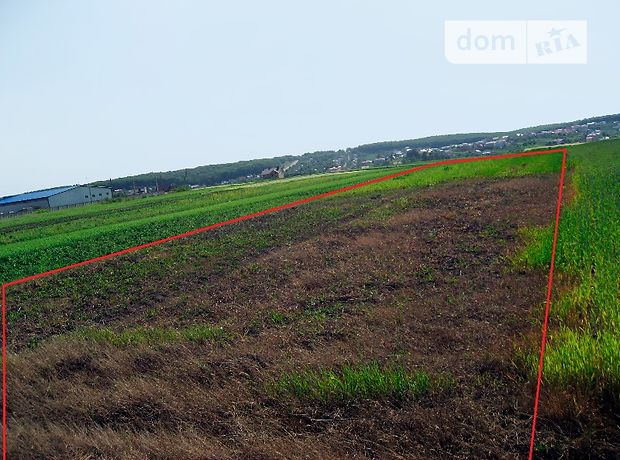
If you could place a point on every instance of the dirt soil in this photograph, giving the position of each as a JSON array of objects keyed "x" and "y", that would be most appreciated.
[{"x": 431, "y": 287}]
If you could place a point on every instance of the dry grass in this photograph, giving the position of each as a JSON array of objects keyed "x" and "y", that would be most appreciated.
[{"x": 105, "y": 401}]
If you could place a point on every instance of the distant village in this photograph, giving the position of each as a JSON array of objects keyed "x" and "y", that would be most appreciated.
[
  {"x": 363, "y": 157},
  {"x": 521, "y": 140},
  {"x": 353, "y": 158}
]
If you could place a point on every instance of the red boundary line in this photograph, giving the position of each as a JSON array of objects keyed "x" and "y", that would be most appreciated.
[
  {"x": 290, "y": 205},
  {"x": 543, "y": 341}
]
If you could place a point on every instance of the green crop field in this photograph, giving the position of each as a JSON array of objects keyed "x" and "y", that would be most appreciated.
[
  {"x": 584, "y": 341},
  {"x": 46, "y": 240}
]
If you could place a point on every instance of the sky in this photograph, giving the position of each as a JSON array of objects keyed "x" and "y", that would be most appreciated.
[{"x": 98, "y": 89}]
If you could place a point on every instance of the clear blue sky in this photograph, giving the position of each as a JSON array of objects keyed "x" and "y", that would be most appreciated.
[{"x": 97, "y": 89}]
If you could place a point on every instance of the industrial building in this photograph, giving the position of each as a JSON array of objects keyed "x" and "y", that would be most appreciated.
[{"x": 53, "y": 198}]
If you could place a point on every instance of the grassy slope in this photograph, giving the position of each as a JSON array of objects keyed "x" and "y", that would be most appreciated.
[
  {"x": 45, "y": 241},
  {"x": 584, "y": 342}
]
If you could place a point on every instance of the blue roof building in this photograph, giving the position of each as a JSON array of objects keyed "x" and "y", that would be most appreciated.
[
  {"x": 53, "y": 198},
  {"x": 34, "y": 195}
]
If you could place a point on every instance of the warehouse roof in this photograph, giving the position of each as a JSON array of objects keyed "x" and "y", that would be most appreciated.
[{"x": 39, "y": 194}]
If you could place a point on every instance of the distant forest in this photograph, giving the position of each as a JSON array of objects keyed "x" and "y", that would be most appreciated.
[{"x": 312, "y": 162}]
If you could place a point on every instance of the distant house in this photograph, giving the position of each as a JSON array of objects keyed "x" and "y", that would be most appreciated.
[
  {"x": 53, "y": 198},
  {"x": 272, "y": 173}
]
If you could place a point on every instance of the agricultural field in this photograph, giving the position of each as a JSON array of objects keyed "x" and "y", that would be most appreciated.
[
  {"x": 46, "y": 240},
  {"x": 401, "y": 319}
]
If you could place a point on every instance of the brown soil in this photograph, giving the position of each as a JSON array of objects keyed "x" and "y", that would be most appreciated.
[{"x": 430, "y": 288}]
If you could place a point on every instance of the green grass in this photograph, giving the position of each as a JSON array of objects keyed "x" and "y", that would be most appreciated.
[
  {"x": 584, "y": 342},
  {"x": 353, "y": 383},
  {"x": 152, "y": 335},
  {"x": 43, "y": 241},
  {"x": 277, "y": 318}
]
